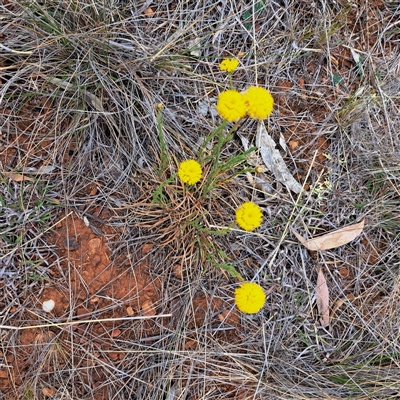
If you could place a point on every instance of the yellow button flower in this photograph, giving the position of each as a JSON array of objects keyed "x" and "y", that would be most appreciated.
[
  {"x": 189, "y": 172},
  {"x": 259, "y": 102},
  {"x": 229, "y": 64},
  {"x": 249, "y": 216},
  {"x": 249, "y": 297},
  {"x": 231, "y": 105}
]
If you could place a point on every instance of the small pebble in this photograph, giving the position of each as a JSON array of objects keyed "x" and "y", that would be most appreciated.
[
  {"x": 48, "y": 305},
  {"x": 71, "y": 244}
]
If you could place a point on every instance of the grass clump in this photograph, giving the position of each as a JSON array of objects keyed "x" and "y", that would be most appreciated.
[{"x": 188, "y": 199}]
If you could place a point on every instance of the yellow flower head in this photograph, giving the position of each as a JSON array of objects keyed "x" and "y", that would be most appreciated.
[
  {"x": 231, "y": 105},
  {"x": 249, "y": 297},
  {"x": 190, "y": 172},
  {"x": 229, "y": 64},
  {"x": 249, "y": 216},
  {"x": 259, "y": 102}
]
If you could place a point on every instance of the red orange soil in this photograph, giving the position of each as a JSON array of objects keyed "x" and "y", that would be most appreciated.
[
  {"x": 89, "y": 286},
  {"x": 90, "y": 282}
]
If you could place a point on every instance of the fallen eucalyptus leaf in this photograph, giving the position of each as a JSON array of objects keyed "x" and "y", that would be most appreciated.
[
  {"x": 17, "y": 177},
  {"x": 195, "y": 46},
  {"x": 259, "y": 181},
  {"x": 322, "y": 292},
  {"x": 332, "y": 239},
  {"x": 274, "y": 161},
  {"x": 356, "y": 56},
  {"x": 252, "y": 158},
  {"x": 282, "y": 143}
]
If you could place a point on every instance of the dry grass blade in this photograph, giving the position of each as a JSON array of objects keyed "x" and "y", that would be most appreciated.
[
  {"x": 338, "y": 303},
  {"x": 71, "y": 323}
]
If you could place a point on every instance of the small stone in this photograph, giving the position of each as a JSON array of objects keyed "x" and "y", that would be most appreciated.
[
  {"x": 94, "y": 246},
  {"x": 190, "y": 344},
  {"x": 71, "y": 244},
  {"x": 177, "y": 271},
  {"x": 147, "y": 248},
  {"x": 93, "y": 192},
  {"x": 48, "y": 305},
  {"x": 148, "y": 12},
  {"x": 148, "y": 308},
  {"x": 49, "y": 392},
  {"x": 82, "y": 311},
  {"x": 344, "y": 272},
  {"x": 3, "y": 374},
  {"x": 96, "y": 259},
  {"x": 115, "y": 333}
]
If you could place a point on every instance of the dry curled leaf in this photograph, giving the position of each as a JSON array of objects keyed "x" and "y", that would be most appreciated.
[
  {"x": 332, "y": 239},
  {"x": 89, "y": 97},
  {"x": 273, "y": 160},
  {"x": 43, "y": 169},
  {"x": 17, "y": 177},
  {"x": 322, "y": 292}
]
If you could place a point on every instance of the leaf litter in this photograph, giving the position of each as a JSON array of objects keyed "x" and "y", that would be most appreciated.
[
  {"x": 332, "y": 239},
  {"x": 328, "y": 241},
  {"x": 273, "y": 160},
  {"x": 322, "y": 292}
]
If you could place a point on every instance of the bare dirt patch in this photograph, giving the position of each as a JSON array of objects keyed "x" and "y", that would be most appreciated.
[
  {"x": 98, "y": 295},
  {"x": 87, "y": 286},
  {"x": 95, "y": 283}
]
